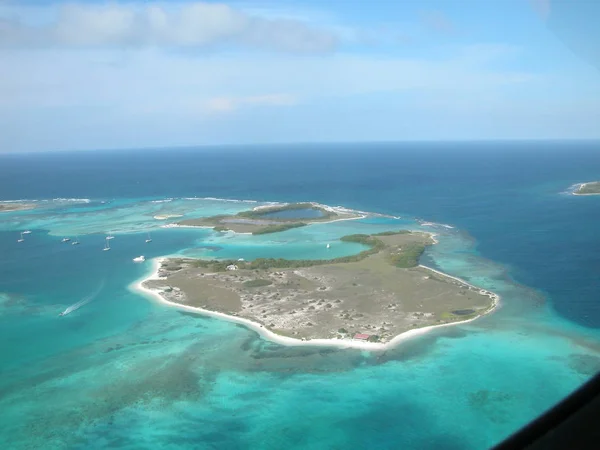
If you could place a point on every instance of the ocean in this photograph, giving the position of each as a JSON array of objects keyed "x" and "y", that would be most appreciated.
[{"x": 126, "y": 372}]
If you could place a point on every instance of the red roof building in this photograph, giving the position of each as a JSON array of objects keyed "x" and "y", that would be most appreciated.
[{"x": 362, "y": 337}]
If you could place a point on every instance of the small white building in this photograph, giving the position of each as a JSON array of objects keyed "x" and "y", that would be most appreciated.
[{"x": 232, "y": 267}]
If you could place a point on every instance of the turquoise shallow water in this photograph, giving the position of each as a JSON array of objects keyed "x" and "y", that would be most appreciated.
[{"x": 125, "y": 372}]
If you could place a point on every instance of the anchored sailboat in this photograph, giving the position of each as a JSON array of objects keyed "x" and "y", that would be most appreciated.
[
  {"x": 21, "y": 239},
  {"x": 149, "y": 239},
  {"x": 106, "y": 245},
  {"x": 76, "y": 241}
]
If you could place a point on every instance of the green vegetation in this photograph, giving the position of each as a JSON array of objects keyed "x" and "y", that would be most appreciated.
[
  {"x": 373, "y": 338},
  {"x": 463, "y": 312},
  {"x": 343, "y": 331},
  {"x": 451, "y": 317},
  {"x": 277, "y": 228},
  {"x": 408, "y": 257},
  {"x": 257, "y": 283},
  {"x": 590, "y": 188},
  {"x": 220, "y": 228},
  {"x": 255, "y": 214},
  {"x": 392, "y": 233},
  {"x": 260, "y": 213},
  {"x": 364, "y": 239},
  {"x": 375, "y": 246}
]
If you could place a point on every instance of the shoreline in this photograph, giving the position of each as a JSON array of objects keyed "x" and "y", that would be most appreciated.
[
  {"x": 206, "y": 227},
  {"x": 577, "y": 187},
  {"x": 211, "y": 227},
  {"x": 138, "y": 286}
]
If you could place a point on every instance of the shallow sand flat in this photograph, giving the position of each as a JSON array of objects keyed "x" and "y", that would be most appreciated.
[
  {"x": 6, "y": 207},
  {"x": 334, "y": 300}
]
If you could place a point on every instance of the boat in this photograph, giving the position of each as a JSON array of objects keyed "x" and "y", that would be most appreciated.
[
  {"x": 149, "y": 238},
  {"x": 27, "y": 232},
  {"x": 65, "y": 239},
  {"x": 328, "y": 246},
  {"x": 21, "y": 239},
  {"x": 110, "y": 236},
  {"x": 139, "y": 259},
  {"x": 106, "y": 245},
  {"x": 76, "y": 241}
]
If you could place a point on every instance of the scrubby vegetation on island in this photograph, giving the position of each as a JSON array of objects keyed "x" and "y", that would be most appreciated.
[
  {"x": 408, "y": 257},
  {"x": 277, "y": 228},
  {"x": 257, "y": 283},
  {"x": 589, "y": 188},
  {"x": 392, "y": 233},
  {"x": 375, "y": 246},
  {"x": 261, "y": 212},
  {"x": 265, "y": 220}
]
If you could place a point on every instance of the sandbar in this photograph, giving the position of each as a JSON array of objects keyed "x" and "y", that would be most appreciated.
[{"x": 15, "y": 206}]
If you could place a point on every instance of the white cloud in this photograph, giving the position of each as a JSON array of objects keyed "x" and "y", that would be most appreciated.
[
  {"x": 230, "y": 104},
  {"x": 78, "y": 98},
  {"x": 147, "y": 81},
  {"x": 195, "y": 25}
]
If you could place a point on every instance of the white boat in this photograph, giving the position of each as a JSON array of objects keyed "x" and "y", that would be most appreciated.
[
  {"x": 149, "y": 238},
  {"x": 106, "y": 245},
  {"x": 110, "y": 236},
  {"x": 139, "y": 259},
  {"x": 328, "y": 246},
  {"x": 27, "y": 232},
  {"x": 76, "y": 241},
  {"x": 21, "y": 239},
  {"x": 65, "y": 239}
]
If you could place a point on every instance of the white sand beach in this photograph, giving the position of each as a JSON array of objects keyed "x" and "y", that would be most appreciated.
[{"x": 138, "y": 286}]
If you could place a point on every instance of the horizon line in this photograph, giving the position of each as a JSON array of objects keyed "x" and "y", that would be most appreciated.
[{"x": 307, "y": 143}]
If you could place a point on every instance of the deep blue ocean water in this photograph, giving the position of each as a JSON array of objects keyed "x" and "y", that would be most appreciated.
[{"x": 125, "y": 372}]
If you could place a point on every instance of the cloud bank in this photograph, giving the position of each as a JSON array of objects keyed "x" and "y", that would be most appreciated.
[{"x": 189, "y": 25}]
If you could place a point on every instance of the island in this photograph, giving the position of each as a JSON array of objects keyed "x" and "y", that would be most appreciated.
[
  {"x": 15, "y": 206},
  {"x": 591, "y": 188},
  {"x": 272, "y": 219},
  {"x": 374, "y": 296}
]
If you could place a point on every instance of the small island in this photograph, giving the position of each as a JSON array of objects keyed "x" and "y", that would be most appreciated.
[
  {"x": 271, "y": 219},
  {"x": 591, "y": 188},
  {"x": 15, "y": 206},
  {"x": 373, "y": 296}
]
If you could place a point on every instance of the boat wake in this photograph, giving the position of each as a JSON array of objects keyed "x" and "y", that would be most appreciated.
[{"x": 82, "y": 302}]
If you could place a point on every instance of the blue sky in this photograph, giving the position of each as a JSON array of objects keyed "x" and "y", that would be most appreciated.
[{"x": 123, "y": 74}]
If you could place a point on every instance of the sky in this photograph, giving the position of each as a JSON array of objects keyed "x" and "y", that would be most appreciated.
[{"x": 130, "y": 74}]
